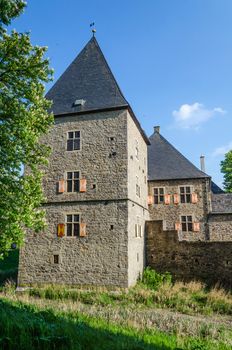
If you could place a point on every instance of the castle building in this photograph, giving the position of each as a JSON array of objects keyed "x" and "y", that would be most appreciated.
[{"x": 106, "y": 182}]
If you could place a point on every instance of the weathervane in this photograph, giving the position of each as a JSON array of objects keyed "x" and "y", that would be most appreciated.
[{"x": 93, "y": 30}]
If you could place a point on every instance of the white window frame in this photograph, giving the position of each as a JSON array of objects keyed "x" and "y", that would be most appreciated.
[
  {"x": 66, "y": 180},
  {"x": 153, "y": 191},
  {"x": 67, "y": 138},
  {"x": 193, "y": 219},
  {"x": 73, "y": 222},
  {"x": 191, "y": 191}
]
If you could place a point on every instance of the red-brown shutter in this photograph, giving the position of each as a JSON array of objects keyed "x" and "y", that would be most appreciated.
[
  {"x": 82, "y": 229},
  {"x": 150, "y": 200},
  {"x": 61, "y": 186},
  {"x": 196, "y": 226},
  {"x": 167, "y": 199},
  {"x": 194, "y": 198},
  {"x": 176, "y": 198},
  {"x": 61, "y": 230},
  {"x": 82, "y": 185},
  {"x": 177, "y": 226}
]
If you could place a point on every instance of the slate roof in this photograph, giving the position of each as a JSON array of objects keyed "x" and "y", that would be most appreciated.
[
  {"x": 215, "y": 188},
  {"x": 222, "y": 203},
  {"x": 166, "y": 163},
  {"x": 89, "y": 78}
]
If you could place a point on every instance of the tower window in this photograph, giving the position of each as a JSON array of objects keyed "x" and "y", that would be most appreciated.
[
  {"x": 73, "y": 141},
  {"x": 73, "y": 181},
  {"x": 56, "y": 259},
  {"x": 72, "y": 225}
]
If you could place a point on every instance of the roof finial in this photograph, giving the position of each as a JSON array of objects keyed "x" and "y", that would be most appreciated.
[{"x": 93, "y": 30}]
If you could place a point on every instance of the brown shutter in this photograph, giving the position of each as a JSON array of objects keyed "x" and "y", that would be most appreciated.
[
  {"x": 150, "y": 200},
  {"x": 196, "y": 226},
  {"x": 61, "y": 186},
  {"x": 177, "y": 226},
  {"x": 60, "y": 230},
  {"x": 194, "y": 198},
  {"x": 82, "y": 185},
  {"x": 82, "y": 229},
  {"x": 167, "y": 199},
  {"x": 176, "y": 198}
]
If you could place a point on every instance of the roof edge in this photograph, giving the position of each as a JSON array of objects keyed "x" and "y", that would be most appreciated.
[{"x": 184, "y": 178}]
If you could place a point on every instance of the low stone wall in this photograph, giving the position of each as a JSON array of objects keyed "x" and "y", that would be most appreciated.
[
  {"x": 210, "y": 262},
  {"x": 220, "y": 227}
]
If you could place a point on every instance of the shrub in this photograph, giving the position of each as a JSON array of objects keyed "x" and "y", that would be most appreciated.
[{"x": 154, "y": 280}]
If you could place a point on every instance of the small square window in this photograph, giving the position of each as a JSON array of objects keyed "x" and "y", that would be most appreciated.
[
  {"x": 187, "y": 223},
  {"x": 185, "y": 194},
  {"x": 56, "y": 259}
]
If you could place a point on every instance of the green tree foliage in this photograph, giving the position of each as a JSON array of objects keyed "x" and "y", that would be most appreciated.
[
  {"x": 226, "y": 169},
  {"x": 23, "y": 120}
]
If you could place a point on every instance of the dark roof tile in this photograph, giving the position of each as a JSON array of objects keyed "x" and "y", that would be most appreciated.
[
  {"x": 89, "y": 78},
  {"x": 166, "y": 163}
]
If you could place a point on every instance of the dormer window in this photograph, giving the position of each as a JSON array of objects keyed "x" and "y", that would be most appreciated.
[{"x": 73, "y": 141}]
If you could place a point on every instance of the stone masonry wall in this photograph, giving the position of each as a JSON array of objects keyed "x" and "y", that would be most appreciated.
[
  {"x": 210, "y": 262},
  {"x": 137, "y": 205},
  {"x": 101, "y": 134},
  {"x": 220, "y": 227},
  {"x": 100, "y": 258},
  {"x": 171, "y": 213}
]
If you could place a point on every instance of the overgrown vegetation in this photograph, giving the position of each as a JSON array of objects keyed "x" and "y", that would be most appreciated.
[
  {"x": 155, "y": 290},
  {"x": 32, "y": 327},
  {"x": 97, "y": 318}
]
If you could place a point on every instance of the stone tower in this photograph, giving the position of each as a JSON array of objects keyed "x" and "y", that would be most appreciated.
[{"x": 95, "y": 184}]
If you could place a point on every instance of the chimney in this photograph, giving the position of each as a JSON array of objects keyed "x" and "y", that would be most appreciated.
[
  {"x": 157, "y": 129},
  {"x": 202, "y": 161}
]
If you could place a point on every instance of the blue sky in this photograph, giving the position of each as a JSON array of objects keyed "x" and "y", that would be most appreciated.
[{"x": 171, "y": 58}]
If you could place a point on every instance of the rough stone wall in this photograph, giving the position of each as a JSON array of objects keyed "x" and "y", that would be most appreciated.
[
  {"x": 171, "y": 213},
  {"x": 93, "y": 160},
  {"x": 137, "y": 205},
  {"x": 100, "y": 258},
  {"x": 210, "y": 262},
  {"x": 220, "y": 227}
]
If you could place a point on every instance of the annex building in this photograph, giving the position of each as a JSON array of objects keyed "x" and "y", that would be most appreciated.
[{"x": 117, "y": 200}]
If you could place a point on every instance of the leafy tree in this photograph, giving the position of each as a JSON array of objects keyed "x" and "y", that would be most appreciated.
[
  {"x": 226, "y": 169},
  {"x": 23, "y": 120}
]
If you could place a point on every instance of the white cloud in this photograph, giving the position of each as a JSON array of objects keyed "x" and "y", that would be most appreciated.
[
  {"x": 191, "y": 116},
  {"x": 221, "y": 151}
]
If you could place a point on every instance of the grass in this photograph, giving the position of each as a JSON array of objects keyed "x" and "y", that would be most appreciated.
[
  {"x": 189, "y": 298},
  {"x": 9, "y": 267},
  {"x": 25, "y": 326},
  {"x": 57, "y": 317}
]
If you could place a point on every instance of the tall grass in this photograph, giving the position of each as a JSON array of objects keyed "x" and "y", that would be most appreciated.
[{"x": 30, "y": 327}]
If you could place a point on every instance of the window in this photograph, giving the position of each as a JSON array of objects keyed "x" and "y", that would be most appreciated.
[
  {"x": 187, "y": 223},
  {"x": 73, "y": 141},
  {"x": 137, "y": 187},
  {"x": 73, "y": 181},
  {"x": 185, "y": 194},
  {"x": 158, "y": 195},
  {"x": 72, "y": 225},
  {"x": 56, "y": 259},
  {"x": 137, "y": 149},
  {"x": 138, "y": 228}
]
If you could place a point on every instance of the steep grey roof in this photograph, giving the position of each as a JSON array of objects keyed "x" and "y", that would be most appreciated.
[
  {"x": 166, "y": 163},
  {"x": 215, "y": 188},
  {"x": 89, "y": 78},
  {"x": 222, "y": 203}
]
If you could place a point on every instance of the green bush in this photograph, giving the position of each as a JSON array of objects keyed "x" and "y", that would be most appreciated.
[{"x": 154, "y": 280}]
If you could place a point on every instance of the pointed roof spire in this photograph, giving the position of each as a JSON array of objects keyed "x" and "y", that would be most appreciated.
[
  {"x": 166, "y": 163},
  {"x": 88, "y": 79}
]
